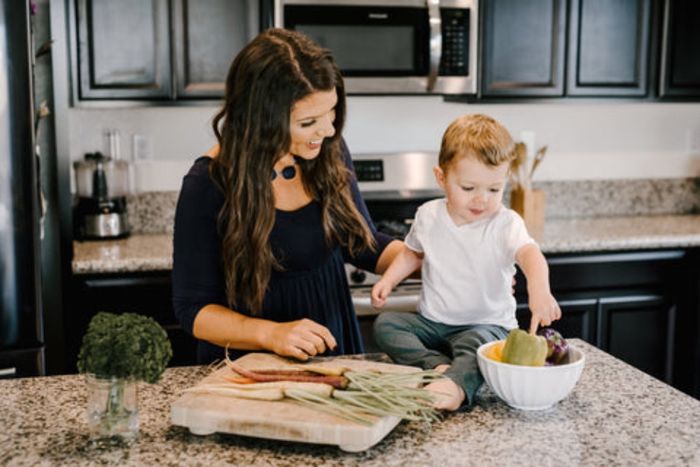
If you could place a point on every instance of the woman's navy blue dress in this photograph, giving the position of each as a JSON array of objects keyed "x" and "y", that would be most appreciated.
[{"x": 312, "y": 285}]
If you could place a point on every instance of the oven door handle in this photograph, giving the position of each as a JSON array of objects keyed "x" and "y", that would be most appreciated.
[
  {"x": 399, "y": 302},
  {"x": 435, "y": 42}
]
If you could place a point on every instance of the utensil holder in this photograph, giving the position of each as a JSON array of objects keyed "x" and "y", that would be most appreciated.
[{"x": 530, "y": 205}]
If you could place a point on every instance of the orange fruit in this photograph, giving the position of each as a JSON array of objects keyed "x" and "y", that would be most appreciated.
[{"x": 495, "y": 352}]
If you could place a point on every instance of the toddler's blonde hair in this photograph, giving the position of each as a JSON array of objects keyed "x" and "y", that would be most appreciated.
[{"x": 478, "y": 136}]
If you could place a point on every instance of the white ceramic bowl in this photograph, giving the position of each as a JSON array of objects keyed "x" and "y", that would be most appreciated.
[{"x": 529, "y": 387}]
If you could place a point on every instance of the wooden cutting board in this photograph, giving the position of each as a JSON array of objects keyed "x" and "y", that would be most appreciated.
[{"x": 205, "y": 414}]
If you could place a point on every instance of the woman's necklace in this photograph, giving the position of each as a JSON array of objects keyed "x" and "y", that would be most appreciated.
[{"x": 288, "y": 172}]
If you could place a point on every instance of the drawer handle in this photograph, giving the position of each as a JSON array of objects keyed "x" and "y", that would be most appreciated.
[{"x": 8, "y": 371}]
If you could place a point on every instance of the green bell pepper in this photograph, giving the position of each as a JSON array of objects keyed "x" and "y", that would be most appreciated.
[{"x": 524, "y": 349}]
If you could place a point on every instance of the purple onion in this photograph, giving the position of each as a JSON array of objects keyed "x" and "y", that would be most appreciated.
[{"x": 557, "y": 347}]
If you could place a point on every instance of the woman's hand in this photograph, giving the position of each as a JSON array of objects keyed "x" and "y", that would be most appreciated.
[
  {"x": 380, "y": 292},
  {"x": 544, "y": 308},
  {"x": 300, "y": 339}
]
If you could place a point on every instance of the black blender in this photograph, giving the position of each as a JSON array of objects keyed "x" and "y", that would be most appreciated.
[{"x": 102, "y": 185}]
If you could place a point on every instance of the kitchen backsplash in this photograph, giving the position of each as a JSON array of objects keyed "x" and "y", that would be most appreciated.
[{"x": 154, "y": 212}]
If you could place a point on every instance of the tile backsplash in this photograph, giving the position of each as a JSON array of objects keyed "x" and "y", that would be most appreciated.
[{"x": 154, "y": 211}]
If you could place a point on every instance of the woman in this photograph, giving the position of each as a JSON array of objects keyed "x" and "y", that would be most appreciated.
[{"x": 266, "y": 220}]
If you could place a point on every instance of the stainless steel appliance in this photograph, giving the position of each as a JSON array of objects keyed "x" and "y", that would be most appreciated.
[
  {"x": 21, "y": 318},
  {"x": 393, "y": 187},
  {"x": 102, "y": 185},
  {"x": 393, "y": 46}
]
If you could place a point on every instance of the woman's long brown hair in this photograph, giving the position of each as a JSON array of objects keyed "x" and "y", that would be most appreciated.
[{"x": 274, "y": 71}]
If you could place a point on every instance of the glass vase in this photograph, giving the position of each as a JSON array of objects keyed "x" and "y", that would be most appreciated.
[{"x": 112, "y": 408}]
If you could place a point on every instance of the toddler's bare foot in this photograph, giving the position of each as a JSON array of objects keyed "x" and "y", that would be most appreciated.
[
  {"x": 441, "y": 368},
  {"x": 448, "y": 395}
]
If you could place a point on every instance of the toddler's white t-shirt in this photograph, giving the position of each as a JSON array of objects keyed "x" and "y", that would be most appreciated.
[{"x": 467, "y": 270}]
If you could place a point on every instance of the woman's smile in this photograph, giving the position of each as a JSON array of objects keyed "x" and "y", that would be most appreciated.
[{"x": 311, "y": 121}]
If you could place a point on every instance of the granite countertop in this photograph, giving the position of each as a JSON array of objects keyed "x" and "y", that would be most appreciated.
[
  {"x": 615, "y": 415},
  {"x": 153, "y": 252}
]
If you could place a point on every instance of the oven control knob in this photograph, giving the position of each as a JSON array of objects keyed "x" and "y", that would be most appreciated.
[{"x": 358, "y": 276}]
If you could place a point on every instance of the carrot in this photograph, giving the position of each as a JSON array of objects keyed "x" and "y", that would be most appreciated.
[
  {"x": 286, "y": 372},
  {"x": 338, "y": 382},
  {"x": 238, "y": 379},
  {"x": 323, "y": 370}
]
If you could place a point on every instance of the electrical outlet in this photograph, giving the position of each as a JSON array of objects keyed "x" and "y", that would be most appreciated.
[
  {"x": 693, "y": 137},
  {"x": 142, "y": 149}
]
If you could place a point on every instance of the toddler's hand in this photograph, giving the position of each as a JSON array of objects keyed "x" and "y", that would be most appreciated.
[
  {"x": 380, "y": 292},
  {"x": 544, "y": 308}
]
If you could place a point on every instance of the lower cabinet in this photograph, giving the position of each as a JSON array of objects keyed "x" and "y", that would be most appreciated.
[
  {"x": 623, "y": 303},
  {"x": 148, "y": 294},
  {"x": 640, "y": 331}
]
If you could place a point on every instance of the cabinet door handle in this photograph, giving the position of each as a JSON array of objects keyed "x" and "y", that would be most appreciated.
[{"x": 8, "y": 371}]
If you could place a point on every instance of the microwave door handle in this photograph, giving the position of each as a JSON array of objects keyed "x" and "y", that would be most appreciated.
[{"x": 435, "y": 42}]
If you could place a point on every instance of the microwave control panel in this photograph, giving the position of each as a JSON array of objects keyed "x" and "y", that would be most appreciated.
[{"x": 455, "y": 42}]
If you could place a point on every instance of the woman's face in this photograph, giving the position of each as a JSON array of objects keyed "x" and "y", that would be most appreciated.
[{"x": 310, "y": 121}]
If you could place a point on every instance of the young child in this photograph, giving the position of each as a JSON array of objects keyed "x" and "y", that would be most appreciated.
[{"x": 466, "y": 245}]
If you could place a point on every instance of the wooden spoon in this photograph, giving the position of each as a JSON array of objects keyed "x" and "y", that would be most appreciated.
[
  {"x": 516, "y": 164},
  {"x": 538, "y": 158}
]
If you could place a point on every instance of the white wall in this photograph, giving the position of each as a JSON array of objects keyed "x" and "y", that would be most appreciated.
[{"x": 586, "y": 140}]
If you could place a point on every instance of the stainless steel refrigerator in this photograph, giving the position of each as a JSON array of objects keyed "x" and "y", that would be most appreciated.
[{"x": 21, "y": 327}]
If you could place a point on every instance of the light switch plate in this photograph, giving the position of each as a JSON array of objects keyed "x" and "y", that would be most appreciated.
[
  {"x": 693, "y": 137},
  {"x": 142, "y": 149}
]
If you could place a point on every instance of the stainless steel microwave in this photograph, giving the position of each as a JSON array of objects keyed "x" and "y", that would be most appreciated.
[{"x": 393, "y": 46}]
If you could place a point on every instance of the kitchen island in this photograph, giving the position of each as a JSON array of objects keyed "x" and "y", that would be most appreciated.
[{"x": 615, "y": 415}]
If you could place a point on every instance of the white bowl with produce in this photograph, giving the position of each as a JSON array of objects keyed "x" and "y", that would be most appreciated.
[{"x": 530, "y": 387}]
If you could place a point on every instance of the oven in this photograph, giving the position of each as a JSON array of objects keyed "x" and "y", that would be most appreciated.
[
  {"x": 393, "y": 186},
  {"x": 393, "y": 46}
]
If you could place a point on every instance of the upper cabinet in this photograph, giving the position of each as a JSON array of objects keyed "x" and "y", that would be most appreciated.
[
  {"x": 207, "y": 35},
  {"x": 123, "y": 49},
  {"x": 523, "y": 47},
  {"x": 559, "y": 48},
  {"x": 608, "y": 48},
  {"x": 680, "y": 59},
  {"x": 159, "y": 49}
]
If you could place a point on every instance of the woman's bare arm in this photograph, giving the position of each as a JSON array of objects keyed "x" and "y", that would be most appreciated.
[{"x": 300, "y": 339}]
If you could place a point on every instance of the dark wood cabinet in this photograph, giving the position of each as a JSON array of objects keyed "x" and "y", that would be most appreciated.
[
  {"x": 159, "y": 49},
  {"x": 22, "y": 363},
  {"x": 523, "y": 48},
  {"x": 623, "y": 303},
  {"x": 639, "y": 329},
  {"x": 608, "y": 48},
  {"x": 148, "y": 294},
  {"x": 207, "y": 35},
  {"x": 123, "y": 49},
  {"x": 530, "y": 49},
  {"x": 680, "y": 59}
]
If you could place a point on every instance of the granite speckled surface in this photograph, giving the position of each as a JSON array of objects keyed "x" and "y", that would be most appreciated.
[
  {"x": 153, "y": 252},
  {"x": 616, "y": 415},
  {"x": 137, "y": 253},
  {"x": 153, "y": 212},
  {"x": 606, "y": 198}
]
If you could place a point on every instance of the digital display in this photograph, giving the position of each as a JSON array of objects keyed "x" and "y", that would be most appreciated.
[{"x": 369, "y": 170}]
